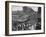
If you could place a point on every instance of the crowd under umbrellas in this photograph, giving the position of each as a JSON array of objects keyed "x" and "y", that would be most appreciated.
[{"x": 26, "y": 19}]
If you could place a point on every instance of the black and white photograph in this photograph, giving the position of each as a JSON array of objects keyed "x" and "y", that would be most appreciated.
[{"x": 25, "y": 18}]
